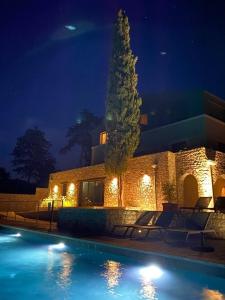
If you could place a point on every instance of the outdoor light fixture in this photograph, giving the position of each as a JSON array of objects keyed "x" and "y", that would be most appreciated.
[
  {"x": 146, "y": 179},
  {"x": 211, "y": 162},
  {"x": 16, "y": 234},
  {"x": 71, "y": 188},
  {"x": 151, "y": 272},
  {"x": 154, "y": 166},
  {"x": 59, "y": 246},
  {"x": 55, "y": 189},
  {"x": 114, "y": 185}
]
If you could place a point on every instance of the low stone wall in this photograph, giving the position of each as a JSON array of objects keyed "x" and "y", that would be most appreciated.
[
  {"x": 90, "y": 221},
  {"x": 217, "y": 222},
  {"x": 22, "y": 202}
]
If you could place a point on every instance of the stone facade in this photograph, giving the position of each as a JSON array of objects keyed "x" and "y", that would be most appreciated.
[
  {"x": 22, "y": 202},
  {"x": 196, "y": 162},
  {"x": 89, "y": 221},
  {"x": 145, "y": 176}
]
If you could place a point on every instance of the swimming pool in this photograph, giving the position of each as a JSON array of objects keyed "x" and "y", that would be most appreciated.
[{"x": 40, "y": 266}]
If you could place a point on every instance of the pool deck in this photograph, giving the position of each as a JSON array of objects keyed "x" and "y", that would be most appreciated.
[
  {"x": 158, "y": 246},
  {"x": 217, "y": 256}
]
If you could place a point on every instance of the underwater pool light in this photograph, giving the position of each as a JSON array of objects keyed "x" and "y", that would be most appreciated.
[
  {"x": 151, "y": 272},
  {"x": 16, "y": 234},
  {"x": 58, "y": 246}
]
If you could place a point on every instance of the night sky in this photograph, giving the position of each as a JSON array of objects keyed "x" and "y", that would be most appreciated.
[{"x": 54, "y": 59}]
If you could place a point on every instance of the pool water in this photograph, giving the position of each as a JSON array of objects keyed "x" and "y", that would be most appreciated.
[{"x": 46, "y": 270}]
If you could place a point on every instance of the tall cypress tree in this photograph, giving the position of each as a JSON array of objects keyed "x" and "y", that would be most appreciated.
[{"x": 123, "y": 103}]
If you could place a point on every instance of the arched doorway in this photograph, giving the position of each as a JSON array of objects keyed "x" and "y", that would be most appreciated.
[
  {"x": 219, "y": 187},
  {"x": 190, "y": 191}
]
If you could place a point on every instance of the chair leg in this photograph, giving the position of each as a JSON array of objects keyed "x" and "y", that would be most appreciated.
[
  {"x": 202, "y": 239},
  {"x": 187, "y": 236},
  {"x": 125, "y": 232},
  {"x": 131, "y": 233},
  {"x": 147, "y": 233},
  {"x": 114, "y": 227}
]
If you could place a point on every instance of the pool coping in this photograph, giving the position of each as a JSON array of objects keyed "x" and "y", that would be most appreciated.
[{"x": 126, "y": 251}]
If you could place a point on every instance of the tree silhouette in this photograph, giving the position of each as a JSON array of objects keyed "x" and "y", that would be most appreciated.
[
  {"x": 81, "y": 134},
  {"x": 32, "y": 159},
  {"x": 4, "y": 175},
  {"x": 123, "y": 103}
]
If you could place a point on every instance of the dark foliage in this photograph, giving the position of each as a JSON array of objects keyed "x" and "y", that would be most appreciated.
[
  {"x": 80, "y": 134},
  {"x": 32, "y": 159},
  {"x": 123, "y": 102}
]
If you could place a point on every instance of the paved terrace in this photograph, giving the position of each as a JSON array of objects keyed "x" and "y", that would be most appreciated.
[{"x": 218, "y": 256}]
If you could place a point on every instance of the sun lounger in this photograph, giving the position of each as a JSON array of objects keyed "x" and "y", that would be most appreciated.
[
  {"x": 194, "y": 225},
  {"x": 163, "y": 221},
  {"x": 201, "y": 204},
  {"x": 143, "y": 219}
]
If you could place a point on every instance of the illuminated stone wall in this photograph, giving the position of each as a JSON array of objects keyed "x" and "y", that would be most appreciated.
[
  {"x": 196, "y": 162},
  {"x": 73, "y": 176},
  {"x": 145, "y": 176},
  {"x": 138, "y": 182}
]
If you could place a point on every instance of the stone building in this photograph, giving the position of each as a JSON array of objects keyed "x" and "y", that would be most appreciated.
[
  {"x": 193, "y": 172},
  {"x": 188, "y": 153}
]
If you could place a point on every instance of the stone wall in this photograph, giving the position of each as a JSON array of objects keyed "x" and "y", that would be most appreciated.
[
  {"x": 89, "y": 221},
  {"x": 22, "y": 202},
  {"x": 196, "y": 162},
  {"x": 142, "y": 184},
  {"x": 217, "y": 222},
  {"x": 139, "y": 182}
]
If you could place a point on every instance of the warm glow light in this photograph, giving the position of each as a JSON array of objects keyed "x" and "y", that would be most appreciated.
[
  {"x": 148, "y": 290},
  {"x": 71, "y": 189},
  {"x": 211, "y": 162},
  {"x": 65, "y": 278},
  {"x": 151, "y": 272},
  {"x": 112, "y": 274},
  {"x": 145, "y": 191},
  {"x": 146, "y": 179},
  {"x": 115, "y": 182},
  {"x": 103, "y": 138},
  {"x": 55, "y": 189},
  {"x": 58, "y": 246},
  {"x": 114, "y": 186},
  {"x": 208, "y": 294}
]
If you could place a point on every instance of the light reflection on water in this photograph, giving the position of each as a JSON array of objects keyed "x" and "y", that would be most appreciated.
[
  {"x": 66, "y": 269},
  {"x": 112, "y": 274},
  {"x": 85, "y": 275},
  {"x": 60, "y": 265},
  {"x": 148, "y": 289},
  {"x": 208, "y": 294}
]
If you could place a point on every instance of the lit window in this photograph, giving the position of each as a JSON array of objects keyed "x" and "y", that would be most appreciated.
[
  {"x": 144, "y": 119},
  {"x": 103, "y": 138}
]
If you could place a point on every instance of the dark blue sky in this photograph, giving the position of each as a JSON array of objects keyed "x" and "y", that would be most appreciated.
[{"x": 49, "y": 73}]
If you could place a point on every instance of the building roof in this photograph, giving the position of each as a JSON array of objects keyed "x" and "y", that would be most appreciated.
[{"x": 169, "y": 107}]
